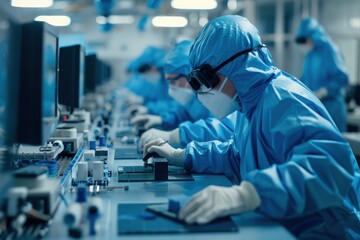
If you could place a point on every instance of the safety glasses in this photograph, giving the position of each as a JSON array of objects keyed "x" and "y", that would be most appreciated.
[{"x": 207, "y": 76}]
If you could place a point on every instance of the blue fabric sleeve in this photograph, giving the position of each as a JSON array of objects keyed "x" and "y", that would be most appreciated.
[
  {"x": 208, "y": 129},
  {"x": 173, "y": 117},
  {"x": 213, "y": 157},
  {"x": 312, "y": 174},
  {"x": 160, "y": 106}
]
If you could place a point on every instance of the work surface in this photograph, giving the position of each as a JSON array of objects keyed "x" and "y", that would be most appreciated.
[{"x": 251, "y": 225}]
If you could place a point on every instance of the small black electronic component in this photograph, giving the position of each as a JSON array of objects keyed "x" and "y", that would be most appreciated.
[{"x": 160, "y": 169}]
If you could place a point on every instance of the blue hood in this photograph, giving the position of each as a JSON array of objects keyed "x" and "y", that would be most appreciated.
[
  {"x": 310, "y": 28},
  {"x": 153, "y": 56},
  {"x": 225, "y": 36},
  {"x": 177, "y": 59}
]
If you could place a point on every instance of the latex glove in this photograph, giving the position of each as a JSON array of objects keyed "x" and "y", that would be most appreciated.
[
  {"x": 134, "y": 99},
  {"x": 321, "y": 93},
  {"x": 171, "y": 136},
  {"x": 214, "y": 202},
  {"x": 174, "y": 156},
  {"x": 147, "y": 120},
  {"x": 136, "y": 110}
]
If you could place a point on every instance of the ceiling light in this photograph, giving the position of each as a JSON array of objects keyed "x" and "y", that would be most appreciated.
[
  {"x": 232, "y": 5},
  {"x": 58, "y": 21},
  {"x": 169, "y": 21},
  {"x": 32, "y": 3},
  {"x": 116, "y": 19},
  {"x": 355, "y": 22},
  {"x": 194, "y": 4}
]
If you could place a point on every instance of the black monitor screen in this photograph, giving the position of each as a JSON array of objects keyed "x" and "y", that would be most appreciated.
[
  {"x": 49, "y": 78},
  {"x": 91, "y": 73},
  {"x": 71, "y": 76},
  {"x": 38, "y": 83},
  {"x": 82, "y": 76}
]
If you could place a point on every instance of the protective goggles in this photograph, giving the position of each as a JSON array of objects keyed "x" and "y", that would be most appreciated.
[
  {"x": 206, "y": 75},
  {"x": 144, "y": 68},
  {"x": 300, "y": 40}
]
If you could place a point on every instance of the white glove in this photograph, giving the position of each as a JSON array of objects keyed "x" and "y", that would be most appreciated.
[
  {"x": 174, "y": 156},
  {"x": 147, "y": 120},
  {"x": 321, "y": 93},
  {"x": 171, "y": 136},
  {"x": 137, "y": 110},
  {"x": 134, "y": 99},
  {"x": 214, "y": 202}
]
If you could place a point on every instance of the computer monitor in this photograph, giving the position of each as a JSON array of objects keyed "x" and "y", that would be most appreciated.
[
  {"x": 38, "y": 111},
  {"x": 104, "y": 72},
  {"x": 71, "y": 76},
  {"x": 108, "y": 72},
  {"x": 91, "y": 73},
  {"x": 99, "y": 72},
  {"x": 9, "y": 76}
]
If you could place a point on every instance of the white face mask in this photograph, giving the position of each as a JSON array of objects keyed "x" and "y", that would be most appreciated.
[
  {"x": 218, "y": 103},
  {"x": 152, "y": 77},
  {"x": 181, "y": 95}
]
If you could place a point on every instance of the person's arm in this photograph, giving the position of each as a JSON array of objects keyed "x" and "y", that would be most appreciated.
[
  {"x": 209, "y": 129},
  {"x": 213, "y": 157},
  {"x": 337, "y": 77},
  {"x": 315, "y": 166},
  {"x": 174, "y": 116},
  {"x": 159, "y": 106}
]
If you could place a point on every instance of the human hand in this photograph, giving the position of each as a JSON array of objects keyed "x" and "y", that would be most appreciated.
[
  {"x": 174, "y": 156},
  {"x": 215, "y": 202},
  {"x": 172, "y": 137},
  {"x": 134, "y": 100},
  {"x": 136, "y": 110},
  {"x": 147, "y": 120}
]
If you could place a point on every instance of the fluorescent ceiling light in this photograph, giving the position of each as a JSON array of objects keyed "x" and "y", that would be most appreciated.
[
  {"x": 32, "y": 3},
  {"x": 116, "y": 19},
  {"x": 169, "y": 21},
  {"x": 232, "y": 5},
  {"x": 355, "y": 22},
  {"x": 194, "y": 4},
  {"x": 58, "y": 21}
]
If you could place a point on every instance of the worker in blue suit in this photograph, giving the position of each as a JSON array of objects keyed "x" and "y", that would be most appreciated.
[
  {"x": 202, "y": 130},
  {"x": 324, "y": 69},
  {"x": 292, "y": 162},
  {"x": 176, "y": 65},
  {"x": 147, "y": 81}
]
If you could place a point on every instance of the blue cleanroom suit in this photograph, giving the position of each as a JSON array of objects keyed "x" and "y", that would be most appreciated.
[
  {"x": 287, "y": 145},
  {"x": 209, "y": 129},
  {"x": 177, "y": 62},
  {"x": 154, "y": 90},
  {"x": 324, "y": 67}
]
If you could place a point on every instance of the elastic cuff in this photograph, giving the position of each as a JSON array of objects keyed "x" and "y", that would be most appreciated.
[
  {"x": 179, "y": 157},
  {"x": 174, "y": 137},
  {"x": 250, "y": 195}
]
